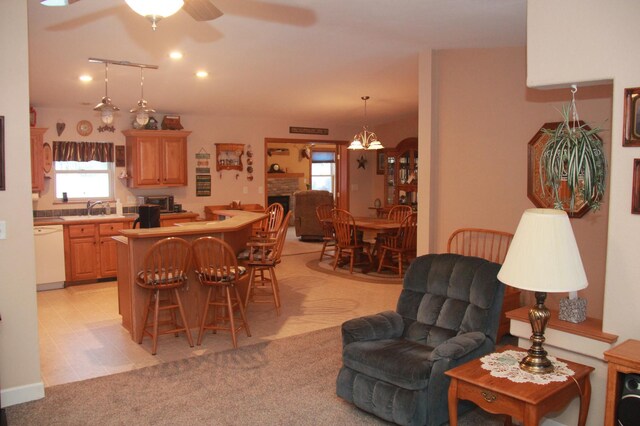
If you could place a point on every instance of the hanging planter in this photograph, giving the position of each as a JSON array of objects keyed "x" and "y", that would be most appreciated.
[{"x": 573, "y": 164}]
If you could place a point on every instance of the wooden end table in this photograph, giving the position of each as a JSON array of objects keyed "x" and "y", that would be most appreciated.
[
  {"x": 528, "y": 402},
  {"x": 623, "y": 359}
]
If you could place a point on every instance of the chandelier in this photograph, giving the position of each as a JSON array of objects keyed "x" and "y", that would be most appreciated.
[
  {"x": 105, "y": 106},
  {"x": 365, "y": 139},
  {"x": 155, "y": 10}
]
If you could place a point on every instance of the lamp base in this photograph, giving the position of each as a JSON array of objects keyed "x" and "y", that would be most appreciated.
[
  {"x": 536, "y": 364},
  {"x": 536, "y": 361}
]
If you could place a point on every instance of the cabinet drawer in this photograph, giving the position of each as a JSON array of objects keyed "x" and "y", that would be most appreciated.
[
  {"x": 111, "y": 228},
  {"x": 87, "y": 230}
]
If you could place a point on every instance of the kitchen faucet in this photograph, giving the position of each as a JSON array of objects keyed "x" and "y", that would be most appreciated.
[{"x": 91, "y": 205}]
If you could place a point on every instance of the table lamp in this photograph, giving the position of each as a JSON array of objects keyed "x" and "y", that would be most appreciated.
[{"x": 543, "y": 257}]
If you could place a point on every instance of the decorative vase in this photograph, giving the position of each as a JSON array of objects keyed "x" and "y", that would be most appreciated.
[{"x": 573, "y": 310}]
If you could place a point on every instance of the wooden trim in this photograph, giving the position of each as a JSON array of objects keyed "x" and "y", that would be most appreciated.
[
  {"x": 590, "y": 328},
  {"x": 284, "y": 175},
  {"x": 155, "y": 133}
]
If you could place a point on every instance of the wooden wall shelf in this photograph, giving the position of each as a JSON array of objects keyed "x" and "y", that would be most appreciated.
[{"x": 284, "y": 175}]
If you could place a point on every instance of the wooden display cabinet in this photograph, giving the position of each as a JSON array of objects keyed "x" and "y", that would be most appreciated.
[
  {"x": 229, "y": 156},
  {"x": 623, "y": 359},
  {"x": 401, "y": 174},
  {"x": 37, "y": 166},
  {"x": 156, "y": 158}
]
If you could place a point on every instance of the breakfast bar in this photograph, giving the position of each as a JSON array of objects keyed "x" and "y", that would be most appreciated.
[{"x": 132, "y": 245}]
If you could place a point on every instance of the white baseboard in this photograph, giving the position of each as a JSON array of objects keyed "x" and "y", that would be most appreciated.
[{"x": 20, "y": 394}]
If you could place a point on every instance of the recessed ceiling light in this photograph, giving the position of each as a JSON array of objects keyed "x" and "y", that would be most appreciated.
[
  {"x": 175, "y": 55},
  {"x": 85, "y": 78},
  {"x": 202, "y": 74}
]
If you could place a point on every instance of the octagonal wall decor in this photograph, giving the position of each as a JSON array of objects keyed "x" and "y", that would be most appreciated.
[{"x": 542, "y": 196}]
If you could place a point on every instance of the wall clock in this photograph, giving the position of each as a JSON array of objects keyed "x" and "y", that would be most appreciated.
[{"x": 84, "y": 128}]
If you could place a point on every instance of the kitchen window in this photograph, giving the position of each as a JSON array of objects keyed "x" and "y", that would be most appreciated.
[{"x": 84, "y": 170}]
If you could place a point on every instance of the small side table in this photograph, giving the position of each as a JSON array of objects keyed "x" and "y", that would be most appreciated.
[
  {"x": 623, "y": 359},
  {"x": 528, "y": 402}
]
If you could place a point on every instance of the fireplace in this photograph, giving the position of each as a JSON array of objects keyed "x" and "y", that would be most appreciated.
[{"x": 282, "y": 199}]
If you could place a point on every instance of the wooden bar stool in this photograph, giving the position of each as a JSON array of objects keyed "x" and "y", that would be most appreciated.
[
  {"x": 165, "y": 271},
  {"x": 217, "y": 268},
  {"x": 263, "y": 257}
]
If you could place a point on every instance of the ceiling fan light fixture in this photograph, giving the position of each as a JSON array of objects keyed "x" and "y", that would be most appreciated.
[
  {"x": 365, "y": 139},
  {"x": 154, "y": 10}
]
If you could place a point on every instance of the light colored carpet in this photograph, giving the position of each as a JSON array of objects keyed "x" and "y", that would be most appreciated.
[
  {"x": 286, "y": 381},
  {"x": 326, "y": 266}
]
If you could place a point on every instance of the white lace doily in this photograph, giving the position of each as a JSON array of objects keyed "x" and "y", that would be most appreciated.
[{"x": 505, "y": 365}]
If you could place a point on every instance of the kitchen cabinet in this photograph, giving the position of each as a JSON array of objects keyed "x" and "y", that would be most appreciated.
[
  {"x": 37, "y": 166},
  {"x": 172, "y": 219},
  {"x": 90, "y": 252},
  {"x": 401, "y": 174},
  {"x": 156, "y": 158}
]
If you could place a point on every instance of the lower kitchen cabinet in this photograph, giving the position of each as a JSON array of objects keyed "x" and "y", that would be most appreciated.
[{"x": 90, "y": 252}]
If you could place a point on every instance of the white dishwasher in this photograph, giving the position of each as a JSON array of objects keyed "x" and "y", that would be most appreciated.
[{"x": 49, "y": 243}]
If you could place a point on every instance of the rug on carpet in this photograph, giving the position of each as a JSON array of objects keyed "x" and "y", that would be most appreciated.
[
  {"x": 285, "y": 381},
  {"x": 326, "y": 266}
]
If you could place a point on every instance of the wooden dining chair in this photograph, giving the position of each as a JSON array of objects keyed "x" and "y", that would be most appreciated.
[
  {"x": 271, "y": 224},
  {"x": 397, "y": 214},
  {"x": 217, "y": 268},
  {"x": 401, "y": 247},
  {"x": 164, "y": 273},
  {"x": 264, "y": 256},
  {"x": 323, "y": 213},
  {"x": 485, "y": 243},
  {"x": 491, "y": 245},
  {"x": 348, "y": 239}
]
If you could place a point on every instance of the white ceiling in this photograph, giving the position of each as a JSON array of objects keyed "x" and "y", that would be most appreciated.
[{"x": 308, "y": 61}]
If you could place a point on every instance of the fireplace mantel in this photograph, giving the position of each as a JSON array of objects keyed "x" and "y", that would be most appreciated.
[{"x": 284, "y": 175}]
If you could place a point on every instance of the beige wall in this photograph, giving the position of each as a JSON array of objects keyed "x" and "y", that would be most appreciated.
[
  {"x": 19, "y": 360},
  {"x": 487, "y": 116},
  {"x": 206, "y": 132},
  {"x": 598, "y": 46}
]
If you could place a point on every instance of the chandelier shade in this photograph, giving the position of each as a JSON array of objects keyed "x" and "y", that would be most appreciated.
[
  {"x": 155, "y": 10},
  {"x": 365, "y": 139}
]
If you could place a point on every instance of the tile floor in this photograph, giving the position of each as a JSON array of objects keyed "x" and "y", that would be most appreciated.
[{"x": 81, "y": 334}]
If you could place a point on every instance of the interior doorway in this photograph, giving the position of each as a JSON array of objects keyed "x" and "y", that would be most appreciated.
[{"x": 289, "y": 167}]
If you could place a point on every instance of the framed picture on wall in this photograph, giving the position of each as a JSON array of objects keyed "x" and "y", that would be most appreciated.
[
  {"x": 635, "y": 192},
  {"x": 631, "y": 117},
  {"x": 381, "y": 159},
  {"x": 2, "y": 181}
]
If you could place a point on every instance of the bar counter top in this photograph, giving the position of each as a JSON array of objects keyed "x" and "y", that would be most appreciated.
[{"x": 237, "y": 219}]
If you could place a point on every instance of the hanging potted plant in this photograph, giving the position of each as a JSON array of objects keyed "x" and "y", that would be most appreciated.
[{"x": 573, "y": 163}]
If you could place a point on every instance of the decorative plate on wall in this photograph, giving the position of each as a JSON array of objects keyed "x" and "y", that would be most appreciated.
[
  {"x": 84, "y": 128},
  {"x": 47, "y": 157}
]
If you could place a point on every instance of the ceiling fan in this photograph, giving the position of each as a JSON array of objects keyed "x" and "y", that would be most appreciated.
[{"x": 154, "y": 10}]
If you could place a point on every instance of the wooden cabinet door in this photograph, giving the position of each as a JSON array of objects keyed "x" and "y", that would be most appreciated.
[
  {"x": 174, "y": 170},
  {"x": 84, "y": 259},
  {"x": 148, "y": 166},
  {"x": 108, "y": 257},
  {"x": 37, "y": 166}
]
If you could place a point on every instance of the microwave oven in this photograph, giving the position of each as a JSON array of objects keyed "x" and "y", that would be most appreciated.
[{"x": 165, "y": 202}]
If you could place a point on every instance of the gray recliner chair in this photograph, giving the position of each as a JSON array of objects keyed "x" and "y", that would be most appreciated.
[{"x": 394, "y": 361}]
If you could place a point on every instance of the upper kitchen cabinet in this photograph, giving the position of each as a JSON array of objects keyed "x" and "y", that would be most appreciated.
[
  {"x": 401, "y": 173},
  {"x": 37, "y": 159},
  {"x": 156, "y": 158}
]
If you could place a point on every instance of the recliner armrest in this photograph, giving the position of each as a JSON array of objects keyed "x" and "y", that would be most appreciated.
[
  {"x": 458, "y": 346},
  {"x": 385, "y": 325}
]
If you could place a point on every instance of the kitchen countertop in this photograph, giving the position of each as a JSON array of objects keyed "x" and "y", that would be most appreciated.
[{"x": 127, "y": 217}]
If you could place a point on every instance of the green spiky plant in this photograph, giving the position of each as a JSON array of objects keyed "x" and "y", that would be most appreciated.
[{"x": 574, "y": 153}]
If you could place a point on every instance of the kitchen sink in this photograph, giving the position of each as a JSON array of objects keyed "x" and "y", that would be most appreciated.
[{"x": 92, "y": 217}]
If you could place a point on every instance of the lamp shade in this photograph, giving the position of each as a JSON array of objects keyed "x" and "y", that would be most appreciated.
[
  {"x": 544, "y": 255},
  {"x": 156, "y": 8}
]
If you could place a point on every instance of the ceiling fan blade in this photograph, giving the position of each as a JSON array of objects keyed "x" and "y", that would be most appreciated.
[
  {"x": 201, "y": 10},
  {"x": 57, "y": 2}
]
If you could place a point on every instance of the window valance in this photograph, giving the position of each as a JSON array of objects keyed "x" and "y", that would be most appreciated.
[{"x": 83, "y": 151}]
